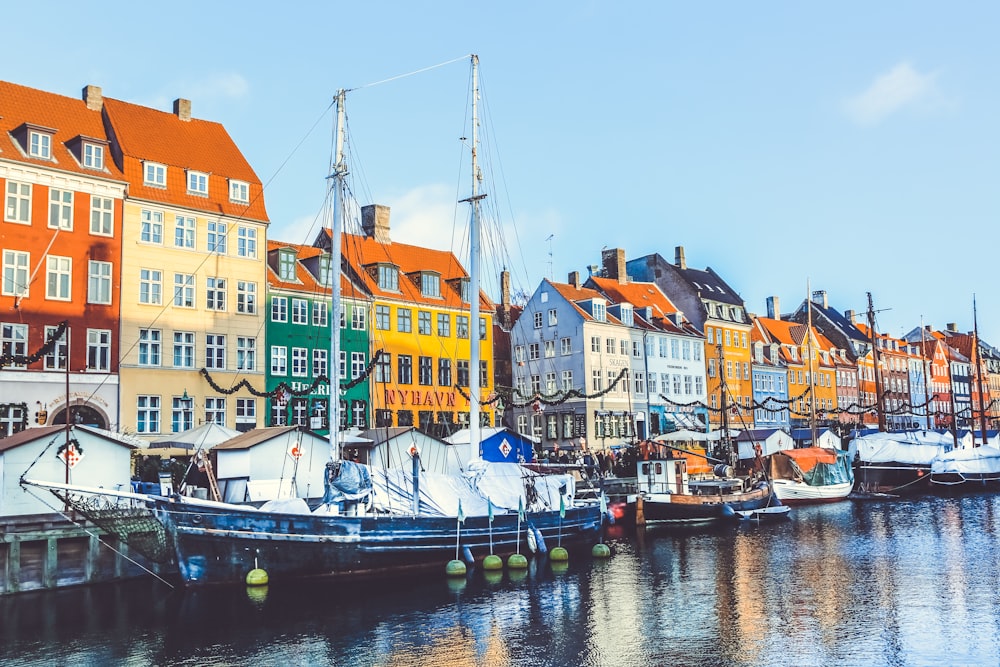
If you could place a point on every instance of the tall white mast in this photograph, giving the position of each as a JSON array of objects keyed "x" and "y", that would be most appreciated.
[
  {"x": 474, "y": 340},
  {"x": 336, "y": 231},
  {"x": 812, "y": 369}
]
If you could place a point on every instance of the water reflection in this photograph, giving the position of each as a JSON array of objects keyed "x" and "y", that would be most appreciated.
[{"x": 878, "y": 583}]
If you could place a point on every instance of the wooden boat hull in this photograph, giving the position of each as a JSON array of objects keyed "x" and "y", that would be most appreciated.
[
  {"x": 692, "y": 509},
  {"x": 894, "y": 478},
  {"x": 792, "y": 492},
  {"x": 221, "y": 544}
]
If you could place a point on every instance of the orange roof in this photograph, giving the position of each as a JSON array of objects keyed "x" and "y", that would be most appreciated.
[
  {"x": 575, "y": 294},
  {"x": 68, "y": 117},
  {"x": 305, "y": 280},
  {"x": 145, "y": 134}
]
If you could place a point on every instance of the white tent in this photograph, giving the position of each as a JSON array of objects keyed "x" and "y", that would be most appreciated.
[{"x": 205, "y": 436}]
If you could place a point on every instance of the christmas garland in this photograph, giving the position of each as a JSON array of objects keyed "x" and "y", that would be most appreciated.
[
  {"x": 506, "y": 394},
  {"x": 284, "y": 388},
  {"x": 8, "y": 359},
  {"x": 5, "y": 409}
]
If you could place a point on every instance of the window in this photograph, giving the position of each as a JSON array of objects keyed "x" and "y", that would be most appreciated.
[
  {"x": 246, "y": 242},
  {"x": 596, "y": 380},
  {"x": 430, "y": 284},
  {"x": 444, "y": 372},
  {"x": 533, "y": 351},
  {"x": 246, "y": 353},
  {"x": 640, "y": 383},
  {"x": 462, "y": 371},
  {"x": 537, "y": 318},
  {"x": 320, "y": 362},
  {"x": 98, "y": 282},
  {"x": 154, "y": 175},
  {"x": 404, "y": 369},
  {"x": 215, "y": 293},
  {"x": 462, "y": 326},
  {"x": 383, "y": 368},
  {"x": 444, "y": 325},
  {"x": 98, "y": 350},
  {"x": 279, "y": 360},
  {"x": 550, "y": 349},
  {"x": 553, "y": 320},
  {"x": 215, "y": 351},
  {"x": 184, "y": 232},
  {"x": 197, "y": 183},
  {"x": 382, "y": 318},
  {"x": 150, "y": 286},
  {"x": 93, "y": 156},
  {"x": 181, "y": 416},
  {"x": 595, "y": 343},
  {"x": 151, "y": 226},
  {"x": 686, "y": 350},
  {"x": 610, "y": 345},
  {"x": 319, "y": 314},
  {"x": 567, "y": 380},
  {"x": 424, "y": 322},
  {"x": 183, "y": 349},
  {"x": 215, "y": 410},
  {"x": 300, "y": 311},
  {"x": 300, "y": 362},
  {"x": 404, "y": 320},
  {"x": 279, "y": 416},
  {"x": 600, "y": 312},
  {"x": 184, "y": 290},
  {"x": 358, "y": 318},
  {"x": 217, "y": 237},
  {"x": 675, "y": 348},
  {"x": 102, "y": 215},
  {"x": 14, "y": 341},
  {"x": 357, "y": 365},
  {"x": 147, "y": 416},
  {"x": 636, "y": 348},
  {"x": 565, "y": 346},
  {"x": 18, "y": 208},
  {"x": 325, "y": 274},
  {"x": 60, "y": 209},
  {"x": 550, "y": 383},
  {"x": 425, "y": 370},
  {"x": 279, "y": 309},
  {"x": 40, "y": 145},
  {"x": 623, "y": 347},
  {"x": 56, "y": 359},
  {"x": 239, "y": 191},
  {"x": 149, "y": 347},
  {"x": 246, "y": 297},
  {"x": 58, "y": 283},
  {"x": 388, "y": 277}
]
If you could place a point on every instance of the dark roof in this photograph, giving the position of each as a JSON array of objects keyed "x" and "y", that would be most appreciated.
[
  {"x": 256, "y": 436},
  {"x": 711, "y": 286}
]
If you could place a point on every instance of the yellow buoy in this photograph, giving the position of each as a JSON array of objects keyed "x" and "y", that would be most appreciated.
[
  {"x": 601, "y": 551},
  {"x": 559, "y": 567},
  {"x": 257, "y": 594},
  {"x": 455, "y": 568},
  {"x": 493, "y": 562},
  {"x": 517, "y": 562},
  {"x": 559, "y": 554},
  {"x": 257, "y": 577}
]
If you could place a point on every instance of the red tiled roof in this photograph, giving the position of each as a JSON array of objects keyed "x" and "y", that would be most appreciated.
[
  {"x": 69, "y": 117},
  {"x": 575, "y": 294},
  {"x": 145, "y": 134},
  {"x": 306, "y": 282}
]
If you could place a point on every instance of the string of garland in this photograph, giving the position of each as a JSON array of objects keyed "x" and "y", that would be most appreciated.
[
  {"x": 7, "y": 408},
  {"x": 283, "y": 388},
  {"x": 8, "y": 359},
  {"x": 507, "y": 394}
]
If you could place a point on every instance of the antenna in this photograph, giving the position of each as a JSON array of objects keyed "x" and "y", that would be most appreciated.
[{"x": 549, "y": 240}]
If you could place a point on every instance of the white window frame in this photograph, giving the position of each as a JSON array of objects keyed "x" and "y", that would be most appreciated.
[
  {"x": 300, "y": 362},
  {"x": 151, "y": 287},
  {"x": 147, "y": 415},
  {"x": 14, "y": 340},
  {"x": 102, "y": 216},
  {"x": 40, "y": 145},
  {"x": 215, "y": 410},
  {"x": 154, "y": 174},
  {"x": 279, "y": 309},
  {"x": 150, "y": 347},
  {"x": 320, "y": 362},
  {"x": 16, "y": 272},
  {"x": 99, "y": 349},
  {"x": 93, "y": 156},
  {"x": 216, "y": 236},
  {"x": 215, "y": 293},
  {"x": 246, "y": 297},
  {"x": 197, "y": 183},
  {"x": 320, "y": 314},
  {"x": 17, "y": 207},
  {"x": 60, "y": 209},
  {"x": 215, "y": 351},
  {"x": 183, "y": 352},
  {"x": 300, "y": 311},
  {"x": 151, "y": 226},
  {"x": 239, "y": 191},
  {"x": 99, "y": 282},
  {"x": 246, "y": 242},
  {"x": 58, "y": 278},
  {"x": 184, "y": 290},
  {"x": 246, "y": 353},
  {"x": 279, "y": 360},
  {"x": 56, "y": 359},
  {"x": 185, "y": 232}
]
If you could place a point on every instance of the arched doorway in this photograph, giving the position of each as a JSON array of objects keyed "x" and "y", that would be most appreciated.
[{"x": 82, "y": 414}]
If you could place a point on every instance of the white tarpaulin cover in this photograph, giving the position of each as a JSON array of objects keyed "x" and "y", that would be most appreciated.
[
  {"x": 884, "y": 448},
  {"x": 502, "y": 483},
  {"x": 971, "y": 461}
]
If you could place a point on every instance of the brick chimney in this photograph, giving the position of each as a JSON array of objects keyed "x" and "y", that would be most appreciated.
[
  {"x": 679, "y": 260},
  {"x": 375, "y": 223},
  {"x": 773, "y": 308},
  {"x": 574, "y": 279},
  {"x": 93, "y": 97},
  {"x": 182, "y": 108},
  {"x": 614, "y": 265},
  {"x": 819, "y": 296},
  {"x": 505, "y": 290},
  {"x": 952, "y": 327}
]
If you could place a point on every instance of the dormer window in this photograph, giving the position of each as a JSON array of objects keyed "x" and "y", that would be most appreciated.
[
  {"x": 626, "y": 315},
  {"x": 286, "y": 265},
  {"x": 737, "y": 314},
  {"x": 388, "y": 277},
  {"x": 239, "y": 191},
  {"x": 154, "y": 174},
  {"x": 430, "y": 284},
  {"x": 93, "y": 156},
  {"x": 465, "y": 287},
  {"x": 40, "y": 144},
  {"x": 599, "y": 310},
  {"x": 325, "y": 275},
  {"x": 197, "y": 183}
]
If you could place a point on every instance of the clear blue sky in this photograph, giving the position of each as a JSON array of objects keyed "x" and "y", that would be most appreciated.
[{"x": 853, "y": 145}]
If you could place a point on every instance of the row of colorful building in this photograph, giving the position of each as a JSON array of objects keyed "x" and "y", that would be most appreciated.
[{"x": 140, "y": 293}]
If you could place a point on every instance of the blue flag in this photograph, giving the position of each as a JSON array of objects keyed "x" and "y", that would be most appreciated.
[
  {"x": 489, "y": 509},
  {"x": 461, "y": 514}
]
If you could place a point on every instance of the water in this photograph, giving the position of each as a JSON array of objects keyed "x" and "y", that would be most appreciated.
[{"x": 904, "y": 582}]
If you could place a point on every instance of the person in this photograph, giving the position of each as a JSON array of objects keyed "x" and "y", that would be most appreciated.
[{"x": 600, "y": 463}]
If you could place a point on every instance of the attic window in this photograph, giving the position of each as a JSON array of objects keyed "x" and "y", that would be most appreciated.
[
  {"x": 626, "y": 315},
  {"x": 154, "y": 174},
  {"x": 286, "y": 265},
  {"x": 465, "y": 287},
  {"x": 599, "y": 310},
  {"x": 430, "y": 284},
  {"x": 239, "y": 191},
  {"x": 93, "y": 156},
  {"x": 388, "y": 277},
  {"x": 40, "y": 144},
  {"x": 197, "y": 182},
  {"x": 325, "y": 274}
]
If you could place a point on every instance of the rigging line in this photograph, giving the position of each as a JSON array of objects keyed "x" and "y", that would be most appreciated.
[{"x": 402, "y": 76}]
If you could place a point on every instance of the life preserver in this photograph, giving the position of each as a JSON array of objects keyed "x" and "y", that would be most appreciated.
[{"x": 413, "y": 451}]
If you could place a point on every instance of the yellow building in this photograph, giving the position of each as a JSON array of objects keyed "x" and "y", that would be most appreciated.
[
  {"x": 420, "y": 323},
  {"x": 193, "y": 273}
]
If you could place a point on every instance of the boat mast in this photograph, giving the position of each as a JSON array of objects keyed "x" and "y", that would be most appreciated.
[
  {"x": 474, "y": 339},
  {"x": 979, "y": 370},
  {"x": 879, "y": 410},
  {"x": 927, "y": 371},
  {"x": 812, "y": 369},
  {"x": 336, "y": 231}
]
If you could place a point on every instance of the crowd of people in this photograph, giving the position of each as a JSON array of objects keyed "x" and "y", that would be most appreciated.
[{"x": 602, "y": 463}]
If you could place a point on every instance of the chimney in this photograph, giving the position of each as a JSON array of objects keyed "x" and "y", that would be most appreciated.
[
  {"x": 849, "y": 315},
  {"x": 614, "y": 265},
  {"x": 773, "y": 308},
  {"x": 574, "y": 279},
  {"x": 375, "y": 223},
  {"x": 679, "y": 260},
  {"x": 819, "y": 296},
  {"x": 505, "y": 290},
  {"x": 93, "y": 97},
  {"x": 927, "y": 328},
  {"x": 952, "y": 327},
  {"x": 182, "y": 108}
]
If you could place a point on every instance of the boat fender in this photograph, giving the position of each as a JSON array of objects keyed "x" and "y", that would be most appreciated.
[
  {"x": 539, "y": 540},
  {"x": 467, "y": 555},
  {"x": 728, "y": 511},
  {"x": 530, "y": 536}
]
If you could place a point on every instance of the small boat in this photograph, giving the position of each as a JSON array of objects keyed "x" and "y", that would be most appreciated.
[
  {"x": 810, "y": 475},
  {"x": 770, "y": 513},
  {"x": 967, "y": 468},
  {"x": 897, "y": 463}
]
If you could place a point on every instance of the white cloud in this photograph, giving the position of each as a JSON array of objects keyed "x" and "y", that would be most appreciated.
[{"x": 899, "y": 88}]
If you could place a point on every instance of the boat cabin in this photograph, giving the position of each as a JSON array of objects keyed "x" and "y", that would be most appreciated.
[{"x": 662, "y": 476}]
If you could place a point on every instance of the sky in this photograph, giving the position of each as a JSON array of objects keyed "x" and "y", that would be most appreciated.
[{"x": 850, "y": 147}]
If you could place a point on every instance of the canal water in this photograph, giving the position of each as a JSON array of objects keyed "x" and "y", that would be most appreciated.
[{"x": 867, "y": 583}]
